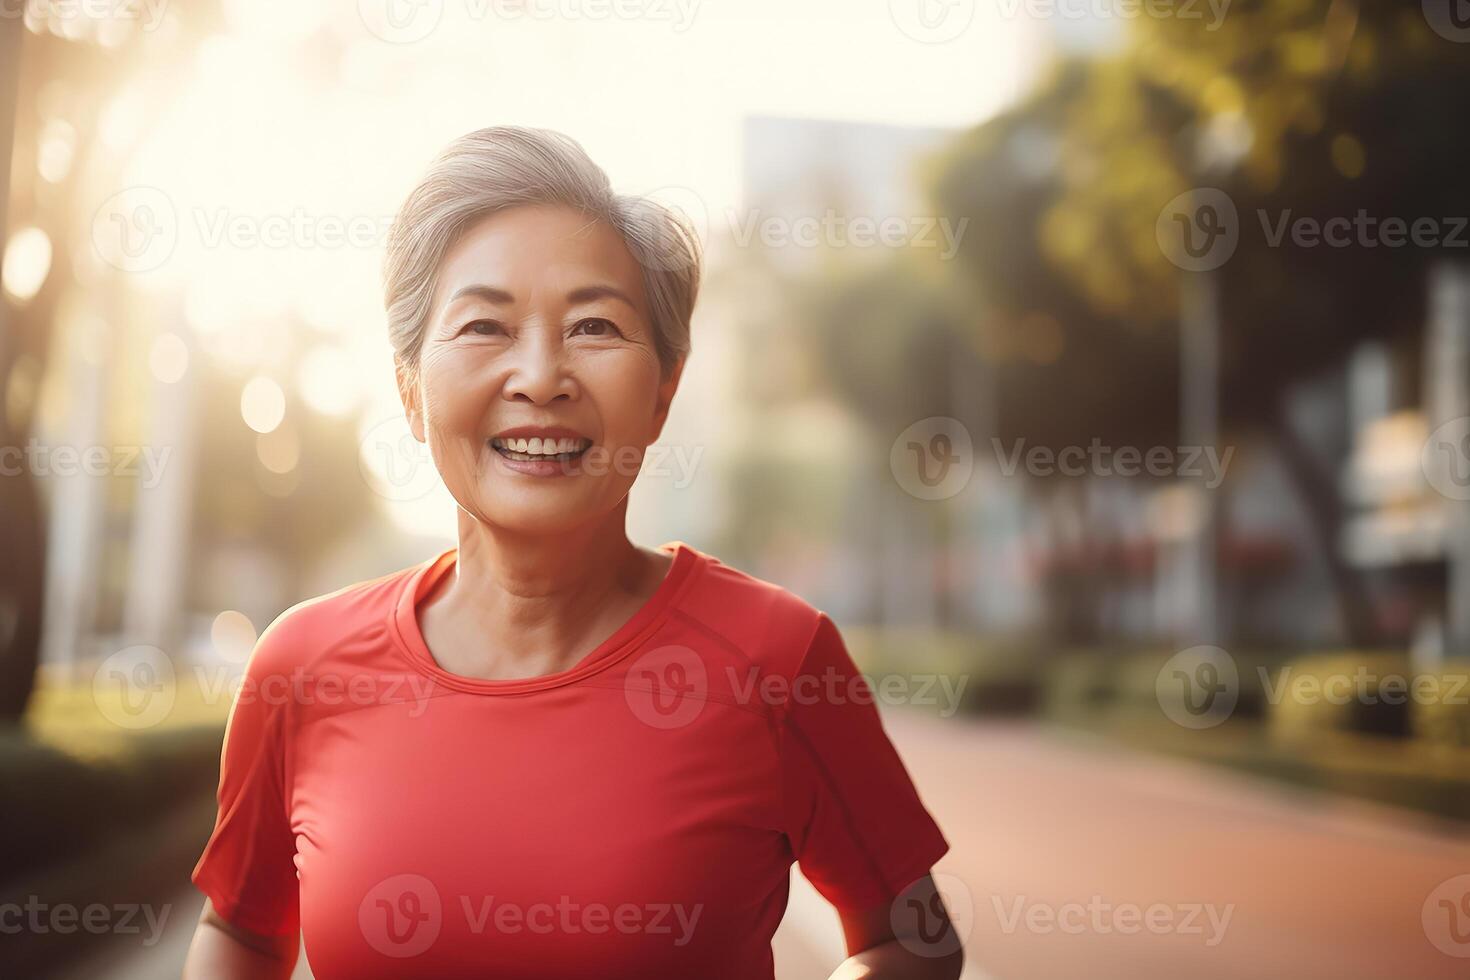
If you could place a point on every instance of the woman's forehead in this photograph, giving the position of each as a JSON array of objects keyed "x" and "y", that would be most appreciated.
[{"x": 540, "y": 249}]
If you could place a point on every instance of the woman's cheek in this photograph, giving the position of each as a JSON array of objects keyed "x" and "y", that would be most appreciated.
[
  {"x": 453, "y": 426},
  {"x": 453, "y": 392},
  {"x": 626, "y": 389}
]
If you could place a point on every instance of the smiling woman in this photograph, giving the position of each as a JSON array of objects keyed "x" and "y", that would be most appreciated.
[
  {"x": 598, "y": 766},
  {"x": 559, "y": 346}
]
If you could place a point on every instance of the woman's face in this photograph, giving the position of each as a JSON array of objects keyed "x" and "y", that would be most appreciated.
[{"x": 539, "y": 331}]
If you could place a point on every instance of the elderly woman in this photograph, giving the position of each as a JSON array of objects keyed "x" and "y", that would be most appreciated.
[{"x": 549, "y": 752}]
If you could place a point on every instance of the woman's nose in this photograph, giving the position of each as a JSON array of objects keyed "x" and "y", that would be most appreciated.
[{"x": 539, "y": 371}]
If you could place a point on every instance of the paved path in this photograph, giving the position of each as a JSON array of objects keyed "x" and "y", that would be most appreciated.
[{"x": 1320, "y": 887}]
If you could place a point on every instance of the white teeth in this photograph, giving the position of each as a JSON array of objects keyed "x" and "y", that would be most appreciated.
[{"x": 540, "y": 447}]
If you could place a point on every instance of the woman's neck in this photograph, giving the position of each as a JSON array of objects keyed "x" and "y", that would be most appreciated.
[{"x": 520, "y": 605}]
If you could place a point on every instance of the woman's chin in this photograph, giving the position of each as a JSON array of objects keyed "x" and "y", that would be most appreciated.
[{"x": 535, "y": 512}]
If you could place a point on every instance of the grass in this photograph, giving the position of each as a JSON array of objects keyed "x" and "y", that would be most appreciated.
[
  {"x": 1416, "y": 755},
  {"x": 81, "y": 719},
  {"x": 1353, "y": 749}
]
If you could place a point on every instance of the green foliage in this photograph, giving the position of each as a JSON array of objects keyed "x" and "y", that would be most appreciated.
[
  {"x": 1319, "y": 744},
  {"x": 1444, "y": 720},
  {"x": 1314, "y": 108},
  {"x": 889, "y": 339},
  {"x": 1340, "y": 692}
]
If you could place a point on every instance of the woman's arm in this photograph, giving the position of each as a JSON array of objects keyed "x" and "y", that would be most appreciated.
[
  {"x": 222, "y": 950},
  {"x": 877, "y": 953}
]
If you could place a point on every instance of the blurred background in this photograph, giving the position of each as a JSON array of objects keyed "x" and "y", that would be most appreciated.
[{"x": 1101, "y": 366}]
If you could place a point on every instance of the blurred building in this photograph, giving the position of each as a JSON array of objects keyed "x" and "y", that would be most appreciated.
[
  {"x": 1390, "y": 426},
  {"x": 1407, "y": 480}
]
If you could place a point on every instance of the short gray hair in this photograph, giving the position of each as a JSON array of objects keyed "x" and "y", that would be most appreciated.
[{"x": 506, "y": 166}]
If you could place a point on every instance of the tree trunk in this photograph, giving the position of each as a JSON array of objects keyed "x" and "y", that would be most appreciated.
[{"x": 22, "y": 545}]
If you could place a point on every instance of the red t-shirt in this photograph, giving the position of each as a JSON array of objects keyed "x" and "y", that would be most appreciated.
[{"x": 634, "y": 816}]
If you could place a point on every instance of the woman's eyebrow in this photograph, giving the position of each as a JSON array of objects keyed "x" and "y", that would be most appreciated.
[
  {"x": 491, "y": 293},
  {"x": 586, "y": 294},
  {"x": 582, "y": 294}
]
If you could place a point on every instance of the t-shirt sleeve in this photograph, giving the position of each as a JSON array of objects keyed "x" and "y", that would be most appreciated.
[
  {"x": 248, "y": 868},
  {"x": 857, "y": 826}
]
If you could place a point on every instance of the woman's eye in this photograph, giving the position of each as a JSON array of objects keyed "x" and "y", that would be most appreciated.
[
  {"x": 484, "y": 328},
  {"x": 596, "y": 326}
]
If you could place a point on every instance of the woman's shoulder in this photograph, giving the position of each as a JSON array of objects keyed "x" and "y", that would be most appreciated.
[
  {"x": 312, "y": 628},
  {"x": 767, "y": 622},
  {"x": 736, "y": 584}
]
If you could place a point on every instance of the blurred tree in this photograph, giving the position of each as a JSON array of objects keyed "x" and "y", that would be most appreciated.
[
  {"x": 1031, "y": 317},
  {"x": 294, "y": 516},
  {"x": 894, "y": 342},
  {"x": 888, "y": 337},
  {"x": 20, "y": 539},
  {"x": 55, "y": 73},
  {"x": 68, "y": 79},
  {"x": 1305, "y": 109},
  {"x": 1293, "y": 108}
]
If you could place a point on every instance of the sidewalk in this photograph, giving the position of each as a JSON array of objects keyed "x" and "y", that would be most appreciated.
[{"x": 1044, "y": 821}]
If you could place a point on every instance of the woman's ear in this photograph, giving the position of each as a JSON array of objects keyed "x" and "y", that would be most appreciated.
[
  {"x": 408, "y": 393},
  {"x": 666, "y": 389}
]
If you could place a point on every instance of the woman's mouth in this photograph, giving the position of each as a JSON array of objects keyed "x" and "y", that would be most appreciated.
[{"x": 541, "y": 450}]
